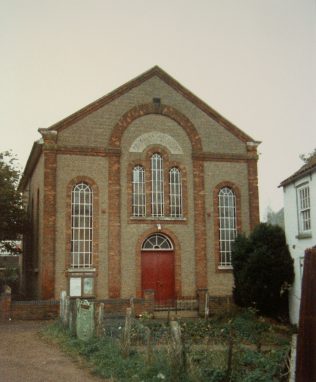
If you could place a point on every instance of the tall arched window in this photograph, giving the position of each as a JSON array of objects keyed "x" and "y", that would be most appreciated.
[
  {"x": 139, "y": 193},
  {"x": 81, "y": 226},
  {"x": 175, "y": 186},
  {"x": 227, "y": 224},
  {"x": 157, "y": 194}
]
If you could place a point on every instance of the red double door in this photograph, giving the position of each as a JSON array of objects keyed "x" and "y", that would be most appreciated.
[{"x": 158, "y": 274}]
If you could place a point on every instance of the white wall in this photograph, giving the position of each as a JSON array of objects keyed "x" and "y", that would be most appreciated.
[{"x": 296, "y": 244}]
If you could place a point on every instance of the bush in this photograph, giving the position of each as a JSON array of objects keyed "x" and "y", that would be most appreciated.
[
  {"x": 10, "y": 277},
  {"x": 263, "y": 270}
]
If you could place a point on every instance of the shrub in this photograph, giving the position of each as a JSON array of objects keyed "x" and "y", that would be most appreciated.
[{"x": 263, "y": 270}]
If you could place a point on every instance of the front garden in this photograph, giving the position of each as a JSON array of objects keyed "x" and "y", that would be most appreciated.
[{"x": 240, "y": 347}]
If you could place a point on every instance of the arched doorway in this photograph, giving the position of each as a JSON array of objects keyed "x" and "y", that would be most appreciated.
[{"x": 157, "y": 264}]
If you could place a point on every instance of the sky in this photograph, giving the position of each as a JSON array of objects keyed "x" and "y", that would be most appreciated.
[{"x": 254, "y": 61}]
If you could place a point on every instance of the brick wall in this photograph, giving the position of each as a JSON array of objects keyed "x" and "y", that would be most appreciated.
[{"x": 96, "y": 144}]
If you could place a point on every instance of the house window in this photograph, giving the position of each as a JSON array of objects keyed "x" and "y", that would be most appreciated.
[
  {"x": 304, "y": 209},
  {"x": 139, "y": 195},
  {"x": 175, "y": 184},
  {"x": 81, "y": 226},
  {"x": 157, "y": 185},
  {"x": 227, "y": 225}
]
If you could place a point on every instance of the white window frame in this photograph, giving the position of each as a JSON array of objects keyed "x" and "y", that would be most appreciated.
[
  {"x": 175, "y": 185},
  {"x": 157, "y": 185},
  {"x": 227, "y": 225},
  {"x": 81, "y": 226},
  {"x": 139, "y": 192},
  {"x": 157, "y": 242},
  {"x": 304, "y": 209}
]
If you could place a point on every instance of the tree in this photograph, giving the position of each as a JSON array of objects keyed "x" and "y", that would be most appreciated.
[
  {"x": 11, "y": 206},
  {"x": 263, "y": 270},
  {"x": 307, "y": 157}
]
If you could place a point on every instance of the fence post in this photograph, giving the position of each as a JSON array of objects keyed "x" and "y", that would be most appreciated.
[
  {"x": 149, "y": 296},
  {"x": 177, "y": 355},
  {"x": 126, "y": 339}
]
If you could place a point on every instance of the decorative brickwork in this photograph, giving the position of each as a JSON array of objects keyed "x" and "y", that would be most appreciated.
[
  {"x": 150, "y": 108},
  {"x": 177, "y": 259},
  {"x": 152, "y": 114},
  {"x": 47, "y": 267},
  {"x": 167, "y": 165},
  {"x": 114, "y": 224},
  {"x": 200, "y": 225}
]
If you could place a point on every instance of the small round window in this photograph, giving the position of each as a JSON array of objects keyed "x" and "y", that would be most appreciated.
[{"x": 157, "y": 242}]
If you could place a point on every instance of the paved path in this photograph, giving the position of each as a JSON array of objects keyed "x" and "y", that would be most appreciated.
[{"x": 25, "y": 357}]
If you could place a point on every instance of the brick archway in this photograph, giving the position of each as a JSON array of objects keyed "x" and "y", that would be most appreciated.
[
  {"x": 114, "y": 255},
  {"x": 177, "y": 259},
  {"x": 151, "y": 108}
]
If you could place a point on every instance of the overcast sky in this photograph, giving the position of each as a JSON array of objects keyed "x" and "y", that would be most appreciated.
[{"x": 252, "y": 60}]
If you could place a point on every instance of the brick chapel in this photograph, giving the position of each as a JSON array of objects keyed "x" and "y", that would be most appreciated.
[{"x": 145, "y": 188}]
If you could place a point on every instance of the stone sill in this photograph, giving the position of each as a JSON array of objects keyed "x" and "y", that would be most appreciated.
[
  {"x": 81, "y": 270},
  {"x": 157, "y": 218},
  {"x": 225, "y": 268},
  {"x": 305, "y": 235}
]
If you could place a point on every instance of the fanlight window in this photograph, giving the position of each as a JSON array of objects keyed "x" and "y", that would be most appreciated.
[
  {"x": 157, "y": 242},
  {"x": 227, "y": 224},
  {"x": 81, "y": 226}
]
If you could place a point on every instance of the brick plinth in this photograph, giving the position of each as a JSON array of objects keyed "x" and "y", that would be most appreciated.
[
  {"x": 114, "y": 227},
  {"x": 199, "y": 224},
  {"x": 47, "y": 267},
  {"x": 253, "y": 187}
]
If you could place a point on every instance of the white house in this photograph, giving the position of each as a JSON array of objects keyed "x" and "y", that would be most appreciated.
[{"x": 300, "y": 224}]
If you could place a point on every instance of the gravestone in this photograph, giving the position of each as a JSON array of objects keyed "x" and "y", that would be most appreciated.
[
  {"x": 85, "y": 319},
  {"x": 62, "y": 305},
  {"x": 100, "y": 320}
]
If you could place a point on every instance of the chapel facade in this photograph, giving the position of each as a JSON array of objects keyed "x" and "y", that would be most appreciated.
[{"x": 145, "y": 188}]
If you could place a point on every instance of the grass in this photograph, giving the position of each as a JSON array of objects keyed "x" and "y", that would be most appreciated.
[{"x": 259, "y": 351}]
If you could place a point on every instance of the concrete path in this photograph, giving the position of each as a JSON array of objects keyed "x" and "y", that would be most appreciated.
[{"x": 25, "y": 357}]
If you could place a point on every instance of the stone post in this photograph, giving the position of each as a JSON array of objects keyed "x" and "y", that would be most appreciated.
[
  {"x": 203, "y": 309},
  {"x": 126, "y": 339},
  {"x": 177, "y": 351},
  {"x": 100, "y": 320},
  {"x": 62, "y": 306}
]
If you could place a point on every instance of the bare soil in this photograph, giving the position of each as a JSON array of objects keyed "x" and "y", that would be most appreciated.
[{"x": 24, "y": 356}]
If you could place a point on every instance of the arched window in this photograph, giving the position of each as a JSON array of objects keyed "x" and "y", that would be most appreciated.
[
  {"x": 227, "y": 224},
  {"x": 81, "y": 226},
  {"x": 157, "y": 242},
  {"x": 157, "y": 194},
  {"x": 139, "y": 194},
  {"x": 175, "y": 187}
]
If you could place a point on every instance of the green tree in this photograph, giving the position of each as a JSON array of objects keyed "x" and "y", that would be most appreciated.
[
  {"x": 307, "y": 157},
  {"x": 263, "y": 270},
  {"x": 11, "y": 206}
]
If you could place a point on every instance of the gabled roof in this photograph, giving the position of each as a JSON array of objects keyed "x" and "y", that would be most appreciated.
[
  {"x": 158, "y": 72},
  {"x": 306, "y": 169},
  {"x": 94, "y": 106}
]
